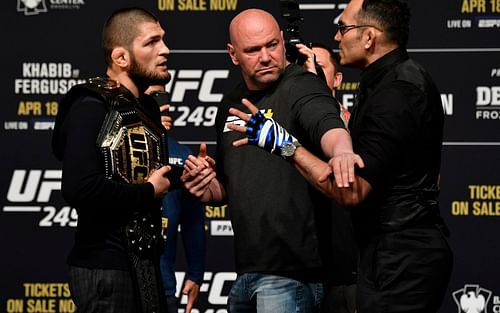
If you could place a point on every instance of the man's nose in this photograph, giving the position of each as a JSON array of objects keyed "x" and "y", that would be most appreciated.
[{"x": 265, "y": 56}]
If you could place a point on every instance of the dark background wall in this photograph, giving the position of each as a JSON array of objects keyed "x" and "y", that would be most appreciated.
[{"x": 49, "y": 45}]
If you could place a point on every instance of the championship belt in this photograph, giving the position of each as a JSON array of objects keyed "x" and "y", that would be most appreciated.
[{"x": 132, "y": 145}]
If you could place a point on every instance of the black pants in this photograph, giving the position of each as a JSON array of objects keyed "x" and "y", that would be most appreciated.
[
  {"x": 406, "y": 271},
  {"x": 339, "y": 299},
  {"x": 106, "y": 291}
]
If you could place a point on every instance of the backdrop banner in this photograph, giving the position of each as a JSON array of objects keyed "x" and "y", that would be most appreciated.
[{"x": 51, "y": 45}]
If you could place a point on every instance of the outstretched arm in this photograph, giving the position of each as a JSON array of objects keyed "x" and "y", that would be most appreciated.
[
  {"x": 344, "y": 186},
  {"x": 320, "y": 175}
]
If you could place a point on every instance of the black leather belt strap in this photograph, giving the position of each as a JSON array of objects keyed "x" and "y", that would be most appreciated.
[{"x": 145, "y": 274}]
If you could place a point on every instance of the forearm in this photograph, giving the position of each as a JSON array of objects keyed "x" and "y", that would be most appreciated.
[
  {"x": 313, "y": 169},
  {"x": 93, "y": 190},
  {"x": 335, "y": 142}
]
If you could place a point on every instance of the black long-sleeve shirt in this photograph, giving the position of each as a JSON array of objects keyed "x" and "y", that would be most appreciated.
[
  {"x": 397, "y": 128},
  {"x": 104, "y": 206}
]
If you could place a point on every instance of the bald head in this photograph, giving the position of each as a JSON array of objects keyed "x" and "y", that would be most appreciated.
[
  {"x": 252, "y": 22},
  {"x": 257, "y": 46}
]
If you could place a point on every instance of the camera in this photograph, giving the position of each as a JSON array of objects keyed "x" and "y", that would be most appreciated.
[{"x": 291, "y": 12}]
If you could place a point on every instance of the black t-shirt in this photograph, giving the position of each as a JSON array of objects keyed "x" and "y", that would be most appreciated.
[
  {"x": 104, "y": 206},
  {"x": 397, "y": 128},
  {"x": 272, "y": 207}
]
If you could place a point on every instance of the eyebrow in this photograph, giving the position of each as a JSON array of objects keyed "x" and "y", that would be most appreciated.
[
  {"x": 149, "y": 38},
  {"x": 258, "y": 47}
]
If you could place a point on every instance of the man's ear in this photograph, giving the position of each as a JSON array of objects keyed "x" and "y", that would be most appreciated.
[
  {"x": 121, "y": 57},
  {"x": 232, "y": 54},
  {"x": 337, "y": 79},
  {"x": 370, "y": 36}
]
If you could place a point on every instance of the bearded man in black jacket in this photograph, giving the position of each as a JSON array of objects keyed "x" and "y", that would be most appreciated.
[{"x": 115, "y": 185}]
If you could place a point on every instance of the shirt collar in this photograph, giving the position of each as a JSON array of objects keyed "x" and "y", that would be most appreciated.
[{"x": 374, "y": 71}]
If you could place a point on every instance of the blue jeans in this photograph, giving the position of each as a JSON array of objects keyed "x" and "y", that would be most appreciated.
[{"x": 255, "y": 292}]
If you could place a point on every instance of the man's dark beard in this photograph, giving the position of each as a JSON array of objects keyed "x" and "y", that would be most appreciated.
[{"x": 142, "y": 78}]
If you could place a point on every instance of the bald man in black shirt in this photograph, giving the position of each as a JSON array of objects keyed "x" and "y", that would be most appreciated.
[{"x": 397, "y": 130}]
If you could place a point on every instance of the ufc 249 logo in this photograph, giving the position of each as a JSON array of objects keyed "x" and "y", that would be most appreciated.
[
  {"x": 31, "y": 191},
  {"x": 33, "y": 185}
]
